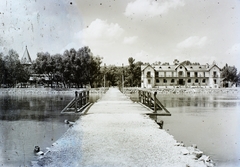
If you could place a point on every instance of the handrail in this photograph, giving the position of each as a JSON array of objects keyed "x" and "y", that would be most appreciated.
[
  {"x": 78, "y": 103},
  {"x": 145, "y": 97}
]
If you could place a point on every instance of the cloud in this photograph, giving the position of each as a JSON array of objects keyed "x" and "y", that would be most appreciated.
[
  {"x": 235, "y": 49},
  {"x": 41, "y": 25},
  {"x": 130, "y": 40},
  {"x": 151, "y": 8},
  {"x": 145, "y": 56},
  {"x": 193, "y": 41},
  {"x": 102, "y": 30}
]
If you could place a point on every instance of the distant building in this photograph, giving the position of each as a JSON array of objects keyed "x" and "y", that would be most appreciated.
[
  {"x": 26, "y": 59},
  {"x": 158, "y": 75}
]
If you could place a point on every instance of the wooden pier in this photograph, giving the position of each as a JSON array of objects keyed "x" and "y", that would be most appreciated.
[{"x": 116, "y": 132}]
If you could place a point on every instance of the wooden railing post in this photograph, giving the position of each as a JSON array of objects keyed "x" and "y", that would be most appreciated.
[
  {"x": 155, "y": 104},
  {"x": 143, "y": 93},
  {"x": 84, "y": 96},
  {"x": 76, "y": 100},
  {"x": 87, "y": 97},
  {"x": 80, "y": 97},
  {"x": 149, "y": 99},
  {"x": 139, "y": 96}
]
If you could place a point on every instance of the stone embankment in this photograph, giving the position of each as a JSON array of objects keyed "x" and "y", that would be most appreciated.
[
  {"x": 186, "y": 90},
  {"x": 46, "y": 91},
  {"x": 116, "y": 132}
]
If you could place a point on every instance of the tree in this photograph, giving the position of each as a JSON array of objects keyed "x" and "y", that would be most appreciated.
[
  {"x": 137, "y": 74},
  {"x": 113, "y": 75},
  {"x": 2, "y": 69},
  {"x": 166, "y": 63},
  {"x": 130, "y": 70},
  {"x": 13, "y": 70},
  {"x": 176, "y": 62},
  {"x": 229, "y": 73},
  {"x": 186, "y": 62},
  {"x": 238, "y": 79},
  {"x": 133, "y": 73}
]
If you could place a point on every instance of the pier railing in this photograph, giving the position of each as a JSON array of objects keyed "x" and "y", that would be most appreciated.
[
  {"x": 150, "y": 100},
  {"x": 78, "y": 103}
]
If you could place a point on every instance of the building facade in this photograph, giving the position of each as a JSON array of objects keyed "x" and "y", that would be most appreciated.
[{"x": 180, "y": 75}]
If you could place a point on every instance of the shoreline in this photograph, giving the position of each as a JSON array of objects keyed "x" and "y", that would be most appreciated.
[
  {"x": 126, "y": 90},
  {"x": 47, "y": 91},
  {"x": 197, "y": 90}
]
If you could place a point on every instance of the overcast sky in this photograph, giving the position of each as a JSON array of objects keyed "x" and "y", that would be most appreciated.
[{"x": 147, "y": 30}]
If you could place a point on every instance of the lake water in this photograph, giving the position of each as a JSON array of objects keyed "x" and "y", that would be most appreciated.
[
  {"x": 30, "y": 120},
  {"x": 210, "y": 121}
]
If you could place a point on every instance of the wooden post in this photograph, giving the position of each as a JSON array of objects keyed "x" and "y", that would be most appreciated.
[
  {"x": 87, "y": 96},
  {"x": 139, "y": 96},
  {"x": 149, "y": 99},
  {"x": 83, "y": 97},
  {"x": 76, "y": 100},
  {"x": 155, "y": 107},
  {"x": 143, "y": 93},
  {"x": 80, "y": 99}
]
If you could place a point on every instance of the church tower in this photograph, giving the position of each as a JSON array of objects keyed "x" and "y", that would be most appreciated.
[{"x": 26, "y": 59}]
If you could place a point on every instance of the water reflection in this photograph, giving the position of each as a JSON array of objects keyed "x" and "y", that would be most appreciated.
[
  {"x": 199, "y": 100},
  {"x": 210, "y": 121},
  {"x": 26, "y": 121}
]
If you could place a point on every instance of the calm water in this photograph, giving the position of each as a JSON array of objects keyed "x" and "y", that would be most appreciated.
[
  {"x": 210, "y": 121},
  {"x": 27, "y": 121}
]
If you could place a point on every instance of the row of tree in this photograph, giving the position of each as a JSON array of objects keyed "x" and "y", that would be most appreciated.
[
  {"x": 72, "y": 68},
  {"x": 79, "y": 68}
]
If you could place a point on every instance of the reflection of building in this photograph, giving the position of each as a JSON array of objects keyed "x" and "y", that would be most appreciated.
[
  {"x": 26, "y": 59},
  {"x": 158, "y": 75}
]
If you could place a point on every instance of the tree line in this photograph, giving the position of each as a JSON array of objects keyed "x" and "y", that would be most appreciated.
[
  {"x": 73, "y": 68},
  {"x": 78, "y": 68}
]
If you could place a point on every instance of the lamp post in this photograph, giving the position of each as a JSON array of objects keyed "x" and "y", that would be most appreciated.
[
  {"x": 122, "y": 77},
  {"x": 104, "y": 78}
]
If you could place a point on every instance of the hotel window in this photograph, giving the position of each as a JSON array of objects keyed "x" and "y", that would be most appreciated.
[
  {"x": 149, "y": 81},
  {"x": 189, "y": 81},
  {"x": 157, "y": 81},
  {"x": 195, "y": 74},
  {"x": 172, "y": 81},
  {"x": 165, "y": 81},
  {"x": 203, "y": 81},
  {"x": 148, "y": 74},
  {"x": 188, "y": 74},
  {"x": 196, "y": 80}
]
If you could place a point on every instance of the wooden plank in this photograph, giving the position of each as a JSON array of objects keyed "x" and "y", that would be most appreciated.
[{"x": 159, "y": 114}]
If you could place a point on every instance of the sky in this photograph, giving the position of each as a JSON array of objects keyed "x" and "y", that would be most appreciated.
[{"x": 147, "y": 30}]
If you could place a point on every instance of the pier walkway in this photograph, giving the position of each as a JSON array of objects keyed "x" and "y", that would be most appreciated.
[{"x": 117, "y": 132}]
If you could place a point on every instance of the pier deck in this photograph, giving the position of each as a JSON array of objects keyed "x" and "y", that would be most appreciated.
[{"x": 117, "y": 132}]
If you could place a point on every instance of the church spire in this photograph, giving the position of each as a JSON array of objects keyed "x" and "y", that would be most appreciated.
[{"x": 26, "y": 59}]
